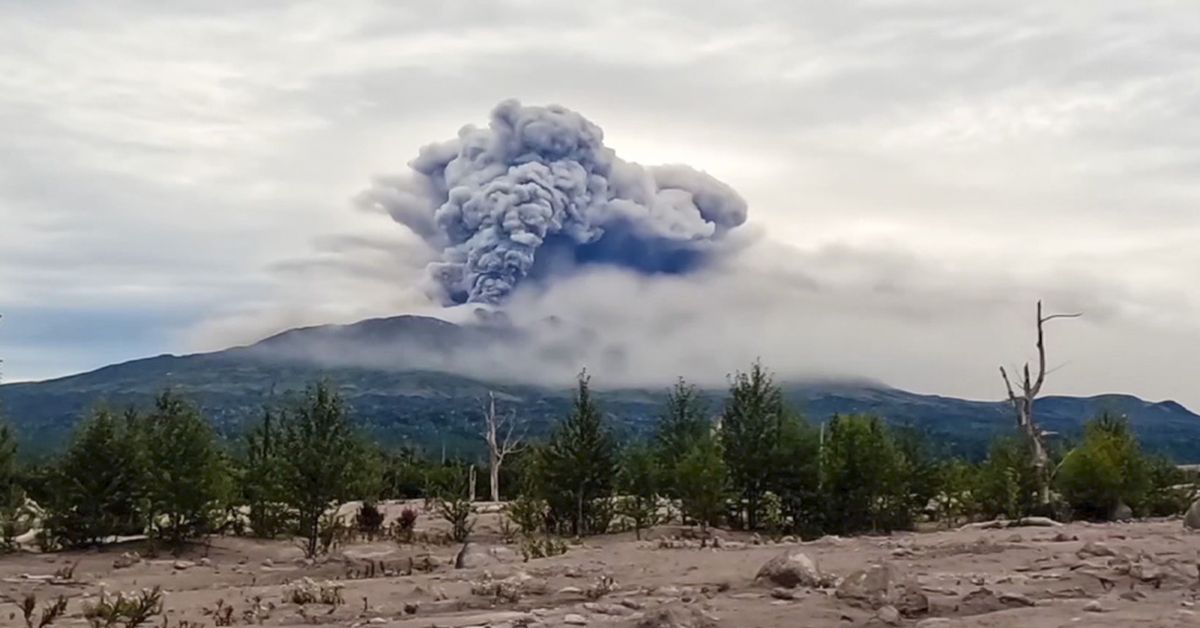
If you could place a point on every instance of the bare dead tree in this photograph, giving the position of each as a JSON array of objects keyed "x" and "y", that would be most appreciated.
[
  {"x": 1022, "y": 403},
  {"x": 498, "y": 432}
]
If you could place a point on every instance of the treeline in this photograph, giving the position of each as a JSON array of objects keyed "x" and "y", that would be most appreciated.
[{"x": 753, "y": 464}]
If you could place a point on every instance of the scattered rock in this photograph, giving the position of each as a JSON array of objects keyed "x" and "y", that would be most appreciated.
[
  {"x": 980, "y": 602},
  {"x": 128, "y": 559},
  {"x": 205, "y": 562},
  {"x": 889, "y": 615},
  {"x": 1094, "y": 606},
  {"x": 181, "y": 565},
  {"x": 615, "y": 610},
  {"x": 676, "y": 617},
  {"x": 1094, "y": 548},
  {"x": 781, "y": 593},
  {"x": 1016, "y": 599},
  {"x": 574, "y": 619},
  {"x": 1121, "y": 512},
  {"x": 474, "y": 556},
  {"x": 884, "y": 584},
  {"x": 1063, "y": 537},
  {"x": 933, "y": 622},
  {"x": 1191, "y": 520},
  {"x": 791, "y": 569},
  {"x": 267, "y": 562}
]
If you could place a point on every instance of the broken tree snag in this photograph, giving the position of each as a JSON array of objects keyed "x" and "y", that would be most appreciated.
[
  {"x": 1022, "y": 403},
  {"x": 499, "y": 446}
]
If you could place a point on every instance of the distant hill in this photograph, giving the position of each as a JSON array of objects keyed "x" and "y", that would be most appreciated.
[{"x": 401, "y": 395}]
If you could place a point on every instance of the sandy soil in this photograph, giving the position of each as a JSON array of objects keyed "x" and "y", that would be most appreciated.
[{"x": 1141, "y": 573}]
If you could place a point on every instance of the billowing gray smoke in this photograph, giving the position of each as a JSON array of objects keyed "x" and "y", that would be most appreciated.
[{"x": 537, "y": 193}]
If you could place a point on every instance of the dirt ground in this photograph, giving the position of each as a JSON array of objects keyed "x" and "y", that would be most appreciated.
[{"x": 1131, "y": 574}]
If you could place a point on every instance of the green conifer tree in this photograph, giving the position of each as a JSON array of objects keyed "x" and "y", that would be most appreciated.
[
  {"x": 321, "y": 455},
  {"x": 96, "y": 488},
  {"x": 187, "y": 477},
  {"x": 579, "y": 465}
]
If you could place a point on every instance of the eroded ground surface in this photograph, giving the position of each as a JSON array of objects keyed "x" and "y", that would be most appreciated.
[{"x": 1133, "y": 574}]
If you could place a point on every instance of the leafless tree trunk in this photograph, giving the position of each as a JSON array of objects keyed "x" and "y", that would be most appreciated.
[
  {"x": 498, "y": 431},
  {"x": 1022, "y": 403},
  {"x": 471, "y": 482}
]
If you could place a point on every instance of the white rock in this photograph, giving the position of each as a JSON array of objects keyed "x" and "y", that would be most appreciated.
[{"x": 574, "y": 619}]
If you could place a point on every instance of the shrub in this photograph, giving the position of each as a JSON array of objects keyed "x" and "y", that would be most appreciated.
[
  {"x": 1007, "y": 482},
  {"x": 50, "y": 612},
  {"x": 369, "y": 519},
  {"x": 701, "y": 480},
  {"x": 401, "y": 530},
  {"x": 457, "y": 511},
  {"x": 127, "y": 610},
  {"x": 638, "y": 481},
  {"x": 528, "y": 513},
  {"x": 1106, "y": 470},
  {"x": 1170, "y": 493}
]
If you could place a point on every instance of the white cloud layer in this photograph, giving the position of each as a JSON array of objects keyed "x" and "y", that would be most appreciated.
[{"x": 178, "y": 176}]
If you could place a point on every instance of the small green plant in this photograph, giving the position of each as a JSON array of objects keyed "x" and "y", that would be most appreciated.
[
  {"x": 401, "y": 530},
  {"x": 221, "y": 613},
  {"x": 49, "y": 614},
  {"x": 457, "y": 511},
  {"x": 772, "y": 515},
  {"x": 508, "y": 531},
  {"x": 307, "y": 591},
  {"x": 527, "y": 513},
  {"x": 533, "y": 547},
  {"x": 332, "y": 531},
  {"x": 369, "y": 520},
  {"x": 601, "y": 587},
  {"x": 124, "y": 610}
]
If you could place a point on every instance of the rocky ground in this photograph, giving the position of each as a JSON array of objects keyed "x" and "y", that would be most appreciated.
[{"x": 1140, "y": 573}]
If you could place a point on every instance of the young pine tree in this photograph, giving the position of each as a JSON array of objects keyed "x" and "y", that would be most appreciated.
[
  {"x": 794, "y": 476},
  {"x": 864, "y": 481},
  {"x": 684, "y": 421},
  {"x": 578, "y": 465},
  {"x": 188, "y": 480},
  {"x": 320, "y": 455},
  {"x": 1105, "y": 471},
  {"x": 701, "y": 478},
  {"x": 750, "y": 426},
  {"x": 638, "y": 483},
  {"x": 10, "y": 491},
  {"x": 262, "y": 480},
  {"x": 97, "y": 485}
]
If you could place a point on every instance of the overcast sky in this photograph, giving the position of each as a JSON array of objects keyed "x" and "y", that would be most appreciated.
[{"x": 178, "y": 176}]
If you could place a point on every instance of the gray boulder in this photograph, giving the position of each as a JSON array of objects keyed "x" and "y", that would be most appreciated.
[
  {"x": 474, "y": 556},
  {"x": 884, "y": 584},
  {"x": 1191, "y": 520},
  {"x": 791, "y": 569}
]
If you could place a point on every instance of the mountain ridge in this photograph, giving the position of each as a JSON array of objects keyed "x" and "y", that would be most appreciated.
[{"x": 400, "y": 397}]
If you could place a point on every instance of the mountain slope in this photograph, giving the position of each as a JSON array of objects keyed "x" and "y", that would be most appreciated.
[{"x": 399, "y": 396}]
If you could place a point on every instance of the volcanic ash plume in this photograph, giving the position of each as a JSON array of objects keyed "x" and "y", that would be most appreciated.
[{"x": 537, "y": 193}]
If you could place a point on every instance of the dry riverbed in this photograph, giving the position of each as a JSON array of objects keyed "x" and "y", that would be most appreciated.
[{"x": 1141, "y": 573}]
